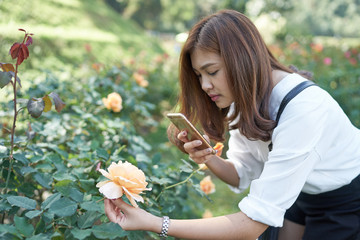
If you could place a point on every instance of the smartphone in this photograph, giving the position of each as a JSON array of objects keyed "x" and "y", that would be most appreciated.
[{"x": 182, "y": 123}]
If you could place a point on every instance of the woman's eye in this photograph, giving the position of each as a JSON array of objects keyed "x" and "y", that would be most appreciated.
[{"x": 213, "y": 73}]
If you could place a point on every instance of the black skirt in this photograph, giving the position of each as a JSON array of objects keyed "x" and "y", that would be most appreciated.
[{"x": 333, "y": 215}]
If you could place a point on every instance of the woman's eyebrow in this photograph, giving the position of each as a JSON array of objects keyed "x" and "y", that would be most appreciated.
[{"x": 206, "y": 65}]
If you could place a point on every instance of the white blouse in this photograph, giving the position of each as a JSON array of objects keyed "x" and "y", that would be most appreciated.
[{"x": 315, "y": 149}]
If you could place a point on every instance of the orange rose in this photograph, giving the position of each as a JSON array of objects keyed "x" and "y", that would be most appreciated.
[
  {"x": 140, "y": 80},
  {"x": 207, "y": 186},
  {"x": 113, "y": 102},
  {"x": 124, "y": 178},
  {"x": 219, "y": 147},
  {"x": 207, "y": 214}
]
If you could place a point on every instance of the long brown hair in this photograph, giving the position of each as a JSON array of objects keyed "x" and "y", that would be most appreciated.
[{"x": 248, "y": 63}]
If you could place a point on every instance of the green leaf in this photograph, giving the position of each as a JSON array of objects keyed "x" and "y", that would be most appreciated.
[
  {"x": 81, "y": 233},
  {"x": 60, "y": 176},
  {"x": 59, "y": 104},
  {"x": 43, "y": 179},
  {"x": 5, "y": 78},
  {"x": 87, "y": 184},
  {"x": 63, "y": 186},
  {"x": 102, "y": 153},
  {"x": 108, "y": 231},
  {"x": 76, "y": 195},
  {"x": 142, "y": 158},
  {"x": 7, "y": 228},
  {"x": 35, "y": 107},
  {"x": 36, "y": 158},
  {"x": 161, "y": 181},
  {"x": 156, "y": 158},
  {"x": 41, "y": 236},
  {"x": 88, "y": 219},
  {"x": 50, "y": 200},
  {"x": 25, "y": 170},
  {"x": 63, "y": 207},
  {"x": 23, "y": 226},
  {"x": 4, "y": 205},
  {"x": 48, "y": 217},
  {"x": 27, "y": 188},
  {"x": 68, "y": 189},
  {"x": 21, "y": 157},
  {"x": 22, "y": 202},
  {"x": 40, "y": 225},
  {"x": 32, "y": 214},
  {"x": 91, "y": 206}
]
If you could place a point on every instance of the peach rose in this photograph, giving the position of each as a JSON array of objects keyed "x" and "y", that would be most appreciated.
[
  {"x": 123, "y": 178},
  {"x": 140, "y": 80},
  {"x": 207, "y": 186},
  {"x": 113, "y": 102},
  {"x": 207, "y": 214},
  {"x": 219, "y": 147}
]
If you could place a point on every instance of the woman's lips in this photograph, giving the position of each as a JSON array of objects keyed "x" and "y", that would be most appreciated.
[{"x": 214, "y": 97}]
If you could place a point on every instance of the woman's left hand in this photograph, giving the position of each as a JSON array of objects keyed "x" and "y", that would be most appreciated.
[{"x": 198, "y": 156}]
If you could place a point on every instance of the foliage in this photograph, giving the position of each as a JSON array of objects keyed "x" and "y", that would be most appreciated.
[
  {"x": 51, "y": 192},
  {"x": 335, "y": 68}
]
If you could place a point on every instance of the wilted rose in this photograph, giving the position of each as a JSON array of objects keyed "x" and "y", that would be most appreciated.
[
  {"x": 113, "y": 102},
  {"x": 207, "y": 186},
  {"x": 124, "y": 178}
]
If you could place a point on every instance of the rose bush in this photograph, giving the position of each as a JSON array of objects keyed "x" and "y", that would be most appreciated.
[{"x": 52, "y": 191}]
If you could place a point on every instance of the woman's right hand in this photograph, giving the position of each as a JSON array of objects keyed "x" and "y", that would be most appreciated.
[
  {"x": 129, "y": 217},
  {"x": 198, "y": 156}
]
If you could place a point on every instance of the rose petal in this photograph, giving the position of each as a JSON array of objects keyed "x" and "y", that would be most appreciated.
[
  {"x": 105, "y": 174},
  {"x": 133, "y": 197},
  {"x": 100, "y": 184},
  {"x": 111, "y": 190},
  {"x": 125, "y": 181}
]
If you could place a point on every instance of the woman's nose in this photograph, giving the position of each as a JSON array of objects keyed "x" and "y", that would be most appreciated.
[{"x": 206, "y": 84}]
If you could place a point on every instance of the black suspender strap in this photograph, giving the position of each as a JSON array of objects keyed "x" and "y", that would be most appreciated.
[{"x": 290, "y": 95}]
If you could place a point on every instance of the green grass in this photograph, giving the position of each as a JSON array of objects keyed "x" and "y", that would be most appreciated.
[{"x": 62, "y": 28}]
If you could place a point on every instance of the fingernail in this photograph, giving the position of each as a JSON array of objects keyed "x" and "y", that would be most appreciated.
[
  {"x": 209, "y": 150},
  {"x": 198, "y": 142},
  {"x": 184, "y": 133}
]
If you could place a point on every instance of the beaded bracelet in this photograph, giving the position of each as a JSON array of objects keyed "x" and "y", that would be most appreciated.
[{"x": 165, "y": 227}]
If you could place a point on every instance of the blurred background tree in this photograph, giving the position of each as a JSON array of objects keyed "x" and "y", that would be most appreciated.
[{"x": 309, "y": 17}]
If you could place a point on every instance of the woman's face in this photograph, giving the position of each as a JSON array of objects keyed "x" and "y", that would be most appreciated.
[{"x": 210, "y": 69}]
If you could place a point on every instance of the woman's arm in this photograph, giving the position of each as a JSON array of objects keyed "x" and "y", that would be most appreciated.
[
  {"x": 224, "y": 170},
  {"x": 233, "y": 226}
]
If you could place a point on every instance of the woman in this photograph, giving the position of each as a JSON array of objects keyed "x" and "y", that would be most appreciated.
[{"x": 307, "y": 185}]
